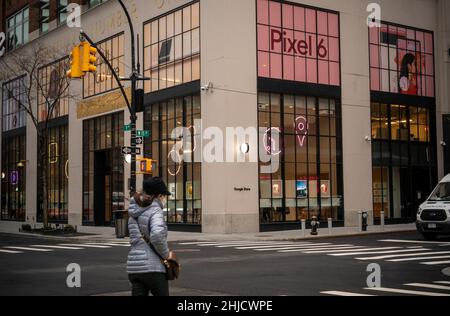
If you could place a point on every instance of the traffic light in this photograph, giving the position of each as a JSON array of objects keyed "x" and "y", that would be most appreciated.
[
  {"x": 75, "y": 66},
  {"x": 89, "y": 58},
  {"x": 145, "y": 166}
]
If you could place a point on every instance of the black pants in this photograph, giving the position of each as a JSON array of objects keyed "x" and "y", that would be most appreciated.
[{"x": 155, "y": 283}]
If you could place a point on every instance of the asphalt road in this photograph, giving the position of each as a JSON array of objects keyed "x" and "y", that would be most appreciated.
[{"x": 335, "y": 266}]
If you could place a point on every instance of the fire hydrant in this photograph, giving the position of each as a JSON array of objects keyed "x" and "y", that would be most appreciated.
[
  {"x": 314, "y": 226},
  {"x": 365, "y": 217}
]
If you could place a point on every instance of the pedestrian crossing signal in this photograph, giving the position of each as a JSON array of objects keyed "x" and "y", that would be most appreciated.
[{"x": 145, "y": 166}]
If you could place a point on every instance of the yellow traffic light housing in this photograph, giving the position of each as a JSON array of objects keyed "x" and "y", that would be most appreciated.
[
  {"x": 75, "y": 66},
  {"x": 89, "y": 58},
  {"x": 145, "y": 166}
]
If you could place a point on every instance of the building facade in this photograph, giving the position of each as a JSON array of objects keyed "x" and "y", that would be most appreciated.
[{"x": 356, "y": 117}]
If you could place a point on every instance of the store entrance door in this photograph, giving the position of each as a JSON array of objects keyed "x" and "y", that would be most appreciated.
[
  {"x": 446, "y": 129},
  {"x": 102, "y": 188}
]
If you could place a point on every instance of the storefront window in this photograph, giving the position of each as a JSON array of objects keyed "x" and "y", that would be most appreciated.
[
  {"x": 183, "y": 178},
  {"x": 102, "y": 80},
  {"x": 57, "y": 177},
  {"x": 103, "y": 169},
  {"x": 402, "y": 60},
  {"x": 298, "y": 43},
  {"x": 14, "y": 99},
  {"x": 309, "y": 180},
  {"x": 53, "y": 87},
  {"x": 13, "y": 170},
  {"x": 172, "y": 49}
]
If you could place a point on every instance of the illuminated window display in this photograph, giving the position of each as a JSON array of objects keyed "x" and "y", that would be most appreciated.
[
  {"x": 58, "y": 176},
  {"x": 401, "y": 60},
  {"x": 309, "y": 180},
  {"x": 13, "y": 169},
  {"x": 172, "y": 49},
  {"x": 183, "y": 179},
  {"x": 298, "y": 43}
]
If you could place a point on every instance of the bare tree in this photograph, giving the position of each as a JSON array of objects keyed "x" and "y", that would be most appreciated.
[{"x": 29, "y": 62}]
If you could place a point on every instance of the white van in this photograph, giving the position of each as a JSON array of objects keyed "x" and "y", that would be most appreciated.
[{"x": 433, "y": 216}]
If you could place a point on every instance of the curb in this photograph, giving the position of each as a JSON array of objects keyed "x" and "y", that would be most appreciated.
[{"x": 96, "y": 238}]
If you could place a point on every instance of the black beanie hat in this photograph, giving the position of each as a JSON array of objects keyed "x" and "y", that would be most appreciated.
[{"x": 155, "y": 186}]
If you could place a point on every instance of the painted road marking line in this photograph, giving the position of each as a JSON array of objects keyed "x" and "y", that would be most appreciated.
[
  {"x": 108, "y": 244},
  {"x": 311, "y": 246},
  {"x": 419, "y": 259},
  {"x": 274, "y": 246},
  {"x": 224, "y": 242},
  {"x": 85, "y": 246},
  {"x": 10, "y": 251},
  {"x": 435, "y": 263},
  {"x": 442, "y": 282},
  {"x": 430, "y": 286},
  {"x": 357, "y": 250},
  {"x": 416, "y": 242},
  {"x": 405, "y": 255},
  {"x": 372, "y": 252},
  {"x": 57, "y": 247},
  {"x": 402, "y": 291},
  {"x": 322, "y": 250},
  {"x": 30, "y": 249},
  {"x": 224, "y": 245},
  {"x": 339, "y": 293}
]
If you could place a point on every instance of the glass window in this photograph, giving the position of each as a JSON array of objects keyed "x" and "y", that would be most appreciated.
[
  {"x": 308, "y": 181},
  {"x": 102, "y": 80},
  {"x": 93, "y": 3},
  {"x": 172, "y": 49},
  {"x": 62, "y": 11},
  {"x": 18, "y": 29},
  {"x": 183, "y": 177},
  {"x": 13, "y": 179},
  {"x": 53, "y": 91},
  {"x": 14, "y": 103},
  {"x": 44, "y": 15},
  {"x": 401, "y": 60}
]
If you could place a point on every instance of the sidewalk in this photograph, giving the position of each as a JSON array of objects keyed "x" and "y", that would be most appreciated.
[{"x": 293, "y": 235}]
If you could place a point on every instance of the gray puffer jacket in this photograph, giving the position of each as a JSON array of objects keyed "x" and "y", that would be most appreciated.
[{"x": 142, "y": 259}]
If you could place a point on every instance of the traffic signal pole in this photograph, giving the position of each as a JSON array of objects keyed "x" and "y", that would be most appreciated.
[{"x": 134, "y": 78}]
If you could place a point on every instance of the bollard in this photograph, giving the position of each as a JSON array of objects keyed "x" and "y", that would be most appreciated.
[
  {"x": 303, "y": 228},
  {"x": 365, "y": 218},
  {"x": 382, "y": 221},
  {"x": 330, "y": 225},
  {"x": 360, "y": 221},
  {"x": 314, "y": 226}
]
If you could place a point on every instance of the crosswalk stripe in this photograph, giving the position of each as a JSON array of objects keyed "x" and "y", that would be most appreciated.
[
  {"x": 222, "y": 245},
  {"x": 430, "y": 286},
  {"x": 86, "y": 246},
  {"x": 57, "y": 247},
  {"x": 435, "y": 263},
  {"x": 404, "y": 255},
  {"x": 322, "y": 250},
  {"x": 30, "y": 249},
  {"x": 274, "y": 246},
  {"x": 415, "y": 242},
  {"x": 340, "y": 293},
  {"x": 363, "y": 249},
  {"x": 442, "y": 282},
  {"x": 402, "y": 291},
  {"x": 10, "y": 251},
  {"x": 108, "y": 244},
  {"x": 372, "y": 252},
  {"x": 419, "y": 258},
  {"x": 224, "y": 242}
]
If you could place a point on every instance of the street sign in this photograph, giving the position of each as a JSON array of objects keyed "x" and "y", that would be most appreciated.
[
  {"x": 129, "y": 150},
  {"x": 145, "y": 134},
  {"x": 127, "y": 128},
  {"x": 139, "y": 140}
]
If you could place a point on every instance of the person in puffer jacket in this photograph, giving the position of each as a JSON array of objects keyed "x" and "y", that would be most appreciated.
[{"x": 144, "y": 267}]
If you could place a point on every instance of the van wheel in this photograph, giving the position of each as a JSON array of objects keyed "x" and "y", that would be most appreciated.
[{"x": 429, "y": 236}]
